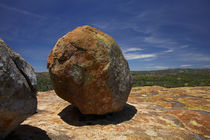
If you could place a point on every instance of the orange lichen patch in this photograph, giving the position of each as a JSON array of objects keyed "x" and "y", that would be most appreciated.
[
  {"x": 83, "y": 65},
  {"x": 196, "y": 103},
  {"x": 135, "y": 137},
  {"x": 153, "y": 96},
  {"x": 197, "y": 99},
  {"x": 161, "y": 100},
  {"x": 174, "y": 92},
  {"x": 194, "y": 121},
  {"x": 182, "y": 98},
  {"x": 146, "y": 90},
  {"x": 201, "y": 88},
  {"x": 203, "y": 92}
]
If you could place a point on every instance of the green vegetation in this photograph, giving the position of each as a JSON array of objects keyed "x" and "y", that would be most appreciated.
[
  {"x": 43, "y": 81},
  {"x": 166, "y": 78},
  {"x": 172, "y": 78}
]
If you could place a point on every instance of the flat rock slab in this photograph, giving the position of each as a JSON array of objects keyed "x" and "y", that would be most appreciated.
[{"x": 151, "y": 113}]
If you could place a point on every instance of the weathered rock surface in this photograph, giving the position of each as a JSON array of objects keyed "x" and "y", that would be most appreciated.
[
  {"x": 152, "y": 113},
  {"x": 89, "y": 70},
  {"x": 17, "y": 90}
]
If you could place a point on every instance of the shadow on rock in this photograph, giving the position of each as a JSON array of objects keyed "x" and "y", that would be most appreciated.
[
  {"x": 27, "y": 132},
  {"x": 73, "y": 116}
]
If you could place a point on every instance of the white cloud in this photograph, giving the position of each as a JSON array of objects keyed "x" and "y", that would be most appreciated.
[
  {"x": 133, "y": 56},
  {"x": 168, "y": 51},
  {"x": 184, "y": 46},
  {"x": 203, "y": 58},
  {"x": 154, "y": 40},
  {"x": 21, "y": 11},
  {"x": 132, "y": 50},
  {"x": 142, "y": 15},
  {"x": 161, "y": 67},
  {"x": 150, "y": 59},
  {"x": 186, "y": 65},
  {"x": 158, "y": 67},
  {"x": 100, "y": 26},
  {"x": 195, "y": 57},
  {"x": 169, "y": 44}
]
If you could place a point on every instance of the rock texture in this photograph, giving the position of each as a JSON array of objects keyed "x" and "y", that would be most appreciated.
[
  {"x": 17, "y": 90},
  {"x": 152, "y": 113},
  {"x": 89, "y": 70}
]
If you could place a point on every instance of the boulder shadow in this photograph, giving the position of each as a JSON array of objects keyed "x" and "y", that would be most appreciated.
[
  {"x": 27, "y": 132},
  {"x": 73, "y": 116}
]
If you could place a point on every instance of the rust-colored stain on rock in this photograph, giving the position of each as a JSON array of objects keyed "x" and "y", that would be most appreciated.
[
  {"x": 151, "y": 113},
  {"x": 88, "y": 69}
]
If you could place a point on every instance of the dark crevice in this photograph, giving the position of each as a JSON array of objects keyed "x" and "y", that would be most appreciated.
[
  {"x": 78, "y": 48},
  {"x": 25, "y": 76},
  {"x": 12, "y": 54},
  {"x": 64, "y": 58}
]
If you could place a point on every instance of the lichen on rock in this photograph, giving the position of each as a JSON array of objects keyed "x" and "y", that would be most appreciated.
[
  {"x": 142, "y": 118},
  {"x": 17, "y": 89},
  {"x": 88, "y": 69}
]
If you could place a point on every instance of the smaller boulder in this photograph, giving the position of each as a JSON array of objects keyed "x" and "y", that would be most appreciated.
[{"x": 17, "y": 90}]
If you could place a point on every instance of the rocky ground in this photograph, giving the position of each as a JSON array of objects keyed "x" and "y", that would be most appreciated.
[{"x": 150, "y": 113}]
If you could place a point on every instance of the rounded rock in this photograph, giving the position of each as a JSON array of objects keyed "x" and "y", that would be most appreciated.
[
  {"x": 17, "y": 90},
  {"x": 88, "y": 69}
]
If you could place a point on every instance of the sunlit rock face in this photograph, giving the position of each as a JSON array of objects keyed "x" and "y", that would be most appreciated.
[
  {"x": 151, "y": 113},
  {"x": 88, "y": 69},
  {"x": 17, "y": 89}
]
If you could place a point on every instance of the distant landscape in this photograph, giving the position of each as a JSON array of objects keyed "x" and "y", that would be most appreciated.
[
  {"x": 43, "y": 81},
  {"x": 167, "y": 78}
]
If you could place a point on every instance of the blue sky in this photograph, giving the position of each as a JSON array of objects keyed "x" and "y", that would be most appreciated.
[{"x": 153, "y": 34}]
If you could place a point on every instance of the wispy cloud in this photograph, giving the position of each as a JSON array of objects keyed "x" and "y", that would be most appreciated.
[
  {"x": 154, "y": 40},
  {"x": 168, "y": 51},
  {"x": 131, "y": 50},
  {"x": 161, "y": 67},
  {"x": 158, "y": 67},
  {"x": 161, "y": 42},
  {"x": 21, "y": 11},
  {"x": 133, "y": 56},
  {"x": 194, "y": 57},
  {"x": 143, "y": 15},
  {"x": 100, "y": 25},
  {"x": 203, "y": 58},
  {"x": 186, "y": 65},
  {"x": 150, "y": 59},
  {"x": 184, "y": 46}
]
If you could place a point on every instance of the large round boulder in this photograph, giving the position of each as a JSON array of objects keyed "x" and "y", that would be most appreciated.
[
  {"x": 17, "y": 90},
  {"x": 88, "y": 69}
]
